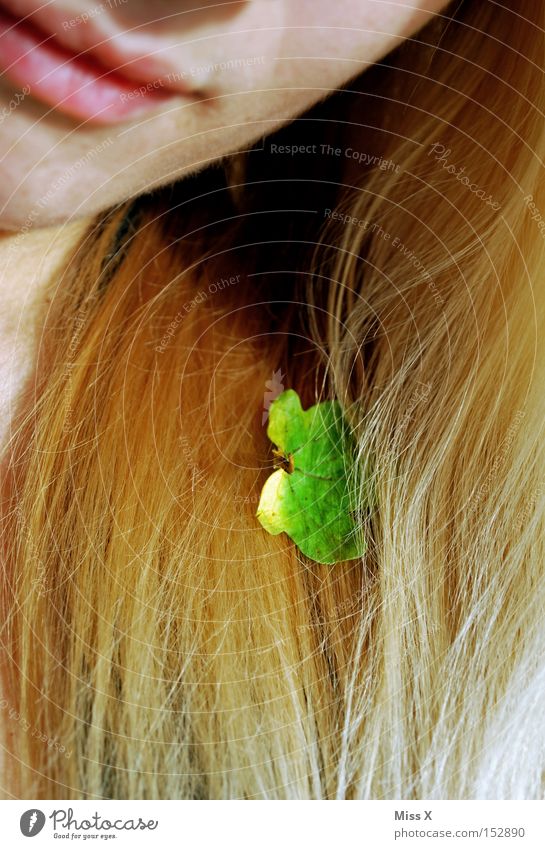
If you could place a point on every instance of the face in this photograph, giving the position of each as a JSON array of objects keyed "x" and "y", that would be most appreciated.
[{"x": 101, "y": 100}]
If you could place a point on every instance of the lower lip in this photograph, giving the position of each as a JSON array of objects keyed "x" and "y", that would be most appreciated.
[{"x": 73, "y": 85}]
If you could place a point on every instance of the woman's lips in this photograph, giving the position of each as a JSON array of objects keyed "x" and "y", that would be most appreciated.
[{"x": 76, "y": 85}]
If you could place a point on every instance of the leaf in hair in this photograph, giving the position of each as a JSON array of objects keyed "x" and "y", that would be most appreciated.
[{"x": 311, "y": 495}]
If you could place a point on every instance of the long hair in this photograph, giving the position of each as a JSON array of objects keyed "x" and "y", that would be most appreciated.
[{"x": 160, "y": 643}]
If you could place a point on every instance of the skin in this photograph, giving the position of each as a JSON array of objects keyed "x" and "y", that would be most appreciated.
[
  {"x": 57, "y": 171},
  {"x": 304, "y": 49}
]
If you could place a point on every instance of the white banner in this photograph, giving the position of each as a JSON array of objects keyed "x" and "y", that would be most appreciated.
[{"x": 261, "y": 824}]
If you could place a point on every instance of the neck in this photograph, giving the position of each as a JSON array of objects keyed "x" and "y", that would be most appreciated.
[{"x": 31, "y": 266}]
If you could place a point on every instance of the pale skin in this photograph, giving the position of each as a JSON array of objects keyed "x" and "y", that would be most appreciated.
[{"x": 284, "y": 56}]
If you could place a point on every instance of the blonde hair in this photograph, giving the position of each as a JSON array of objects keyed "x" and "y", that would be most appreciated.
[{"x": 156, "y": 634}]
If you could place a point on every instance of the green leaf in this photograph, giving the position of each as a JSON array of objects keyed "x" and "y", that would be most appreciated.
[{"x": 311, "y": 495}]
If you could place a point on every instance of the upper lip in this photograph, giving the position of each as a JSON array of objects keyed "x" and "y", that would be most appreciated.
[{"x": 134, "y": 54}]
